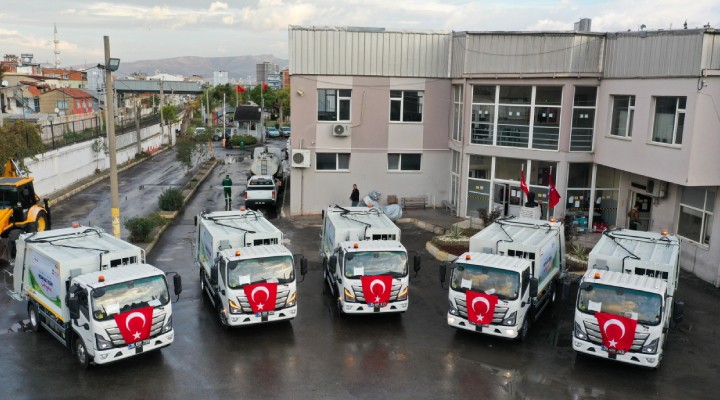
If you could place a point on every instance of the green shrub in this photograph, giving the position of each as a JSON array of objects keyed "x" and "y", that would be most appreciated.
[
  {"x": 248, "y": 140},
  {"x": 171, "y": 199},
  {"x": 140, "y": 228}
]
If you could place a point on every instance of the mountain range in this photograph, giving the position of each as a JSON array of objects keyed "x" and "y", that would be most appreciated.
[{"x": 239, "y": 68}]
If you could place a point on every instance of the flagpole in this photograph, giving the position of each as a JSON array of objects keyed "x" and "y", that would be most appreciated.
[{"x": 262, "y": 110}]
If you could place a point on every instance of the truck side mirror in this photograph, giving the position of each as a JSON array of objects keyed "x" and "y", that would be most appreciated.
[
  {"x": 678, "y": 311},
  {"x": 416, "y": 263},
  {"x": 533, "y": 287},
  {"x": 214, "y": 274},
  {"x": 195, "y": 220},
  {"x": 303, "y": 266},
  {"x": 74, "y": 307},
  {"x": 333, "y": 263},
  {"x": 177, "y": 283},
  {"x": 443, "y": 272}
]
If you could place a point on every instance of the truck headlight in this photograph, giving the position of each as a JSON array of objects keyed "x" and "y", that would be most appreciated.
[
  {"x": 291, "y": 300},
  {"x": 102, "y": 344},
  {"x": 510, "y": 320},
  {"x": 579, "y": 333},
  {"x": 404, "y": 293},
  {"x": 234, "y": 307},
  {"x": 168, "y": 326},
  {"x": 349, "y": 296},
  {"x": 651, "y": 348},
  {"x": 452, "y": 310}
]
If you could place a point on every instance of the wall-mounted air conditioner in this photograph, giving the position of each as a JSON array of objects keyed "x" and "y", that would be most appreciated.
[
  {"x": 656, "y": 188},
  {"x": 341, "y": 130},
  {"x": 300, "y": 158}
]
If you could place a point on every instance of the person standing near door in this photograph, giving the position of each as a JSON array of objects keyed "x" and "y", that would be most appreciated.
[
  {"x": 355, "y": 196},
  {"x": 634, "y": 215}
]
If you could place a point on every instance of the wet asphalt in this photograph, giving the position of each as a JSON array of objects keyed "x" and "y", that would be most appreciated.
[{"x": 322, "y": 355}]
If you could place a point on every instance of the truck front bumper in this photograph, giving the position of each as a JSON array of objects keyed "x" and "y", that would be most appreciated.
[
  {"x": 259, "y": 318},
  {"x": 363, "y": 308},
  {"x": 644, "y": 360},
  {"x": 119, "y": 353},
  {"x": 508, "y": 332}
]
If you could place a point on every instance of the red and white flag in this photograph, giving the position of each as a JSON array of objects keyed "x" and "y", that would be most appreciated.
[
  {"x": 135, "y": 325},
  {"x": 240, "y": 89},
  {"x": 376, "y": 289},
  {"x": 554, "y": 195},
  {"x": 523, "y": 184},
  {"x": 617, "y": 332},
  {"x": 480, "y": 307},
  {"x": 261, "y": 296},
  {"x": 264, "y": 86}
]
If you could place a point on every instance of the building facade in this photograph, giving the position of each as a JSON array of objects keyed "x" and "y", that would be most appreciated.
[{"x": 612, "y": 119}]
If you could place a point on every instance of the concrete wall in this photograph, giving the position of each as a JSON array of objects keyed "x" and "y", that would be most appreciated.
[{"x": 58, "y": 169}]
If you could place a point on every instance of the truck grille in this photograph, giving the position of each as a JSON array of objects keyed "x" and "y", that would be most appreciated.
[
  {"x": 282, "y": 296},
  {"x": 593, "y": 331},
  {"x": 498, "y": 316},
  {"x": 360, "y": 295},
  {"x": 116, "y": 336}
]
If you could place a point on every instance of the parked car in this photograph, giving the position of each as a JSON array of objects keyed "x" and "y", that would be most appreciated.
[
  {"x": 200, "y": 130},
  {"x": 285, "y": 131},
  {"x": 272, "y": 132},
  {"x": 218, "y": 134}
]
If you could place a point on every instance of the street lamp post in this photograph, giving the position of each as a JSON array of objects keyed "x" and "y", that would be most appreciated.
[{"x": 112, "y": 64}]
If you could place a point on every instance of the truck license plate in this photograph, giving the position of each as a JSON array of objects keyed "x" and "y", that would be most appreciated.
[
  {"x": 139, "y": 344},
  {"x": 613, "y": 351}
]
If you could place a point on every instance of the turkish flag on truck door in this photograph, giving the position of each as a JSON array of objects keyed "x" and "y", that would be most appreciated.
[{"x": 135, "y": 325}]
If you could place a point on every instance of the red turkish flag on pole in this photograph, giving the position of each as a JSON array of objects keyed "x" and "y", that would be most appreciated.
[
  {"x": 135, "y": 325},
  {"x": 480, "y": 307},
  {"x": 376, "y": 289},
  {"x": 240, "y": 89},
  {"x": 264, "y": 86},
  {"x": 261, "y": 296},
  {"x": 554, "y": 195},
  {"x": 617, "y": 332},
  {"x": 523, "y": 184}
]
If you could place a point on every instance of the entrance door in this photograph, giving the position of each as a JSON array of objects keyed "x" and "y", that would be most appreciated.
[
  {"x": 508, "y": 198},
  {"x": 645, "y": 209}
]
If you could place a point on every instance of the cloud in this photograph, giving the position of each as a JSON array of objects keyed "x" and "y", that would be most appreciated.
[
  {"x": 8, "y": 32},
  {"x": 218, "y": 5}
]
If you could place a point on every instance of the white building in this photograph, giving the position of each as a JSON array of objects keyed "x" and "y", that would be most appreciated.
[
  {"x": 618, "y": 118},
  {"x": 220, "y": 78}
]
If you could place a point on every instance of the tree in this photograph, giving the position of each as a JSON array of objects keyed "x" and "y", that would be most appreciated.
[
  {"x": 283, "y": 102},
  {"x": 20, "y": 140},
  {"x": 170, "y": 114}
]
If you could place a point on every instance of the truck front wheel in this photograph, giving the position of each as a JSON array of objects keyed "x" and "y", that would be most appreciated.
[
  {"x": 81, "y": 353},
  {"x": 222, "y": 316},
  {"x": 34, "y": 317},
  {"x": 523, "y": 332}
]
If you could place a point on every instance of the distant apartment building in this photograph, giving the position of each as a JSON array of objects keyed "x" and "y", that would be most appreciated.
[
  {"x": 613, "y": 119},
  {"x": 264, "y": 70},
  {"x": 220, "y": 78},
  {"x": 66, "y": 101}
]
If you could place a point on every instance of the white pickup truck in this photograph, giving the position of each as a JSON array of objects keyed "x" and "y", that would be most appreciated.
[{"x": 261, "y": 192}]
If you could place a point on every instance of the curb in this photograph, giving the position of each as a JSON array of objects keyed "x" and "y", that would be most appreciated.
[
  {"x": 438, "y": 230},
  {"x": 439, "y": 254},
  {"x": 162, "y": 229}
]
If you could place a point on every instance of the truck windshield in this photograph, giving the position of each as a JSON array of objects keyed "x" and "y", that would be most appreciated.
[
  {"x": 644, "y": 306},
  {"x": 257, "y": 270},
  {"x": 368, "y": 263},
  {"x": 131, "y": 295},
  {"x": 8, "y": 196},
  {"x": 502, "y": 283}
]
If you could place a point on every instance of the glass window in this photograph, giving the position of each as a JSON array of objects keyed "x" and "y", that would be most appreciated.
[
  {"x": 406, "y": 106},
  {"x": 334, "y": 104},
  {"x": 515, "y": 94},
  {"x": 622, "y": 115},
  {"x": 332, "y": 161},
  {"x": 457, "y": 111},
  {"x": 579, "y": 175},
  {"x": 583, "y": 120},
  {"x": 508, "y": 168},
  {"x": 480, "y": 167},
  {"x": 484, "y": 94},
  {"x": 585, "y": 96},
  {"x": 404, "y": 162},
  {"x": 548, "y": 95},
  {"x": 696, "y": 214},
  {"x": 669, "y": 120}
]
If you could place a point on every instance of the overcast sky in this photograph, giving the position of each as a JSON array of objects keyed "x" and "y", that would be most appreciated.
[{"x": 155, "y": 29}]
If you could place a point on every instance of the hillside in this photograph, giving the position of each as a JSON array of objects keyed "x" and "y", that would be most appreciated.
[{"x": 239, "y": 67}]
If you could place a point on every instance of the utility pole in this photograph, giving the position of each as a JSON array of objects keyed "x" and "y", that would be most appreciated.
[
  {"x": 110, "y": 107},
  {"x": 207, "y": 107},
  {"x": 137, "y": 125},
  {"x": 162, "y": 119},
  {"x": 223, "y": 115}
]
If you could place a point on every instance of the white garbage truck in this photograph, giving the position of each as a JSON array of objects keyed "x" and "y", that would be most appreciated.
[
  {"x": 626, "y": 300},
  {"x": 365, "y": 266},
  {"x": 245, "y": 270},
  {"x": 513, "y": 271},
  {"x": 94, "y": 293}
]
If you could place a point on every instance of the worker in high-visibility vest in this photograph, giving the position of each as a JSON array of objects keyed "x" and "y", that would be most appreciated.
[{"x": 227, "y": 185}]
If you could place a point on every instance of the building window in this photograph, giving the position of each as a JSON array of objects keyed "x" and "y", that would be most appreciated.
[
  {"x": 406, "y": 105},
  {"x": 332, "y": 161},
  {"x": 62, "y": 105},
  {"x": 78, "y": 103},
  {"x": 696, "y": 214},
  {"x": 404, "y": 162},
  {"x": 334, "y": 104},
  {"x": 457, "y": 112},
  {"x": 520, "y": 115},
  {"x": 669, "y": 120},
  {"x": 583, "y": 120},
  {"x": 622, "y": 115}
]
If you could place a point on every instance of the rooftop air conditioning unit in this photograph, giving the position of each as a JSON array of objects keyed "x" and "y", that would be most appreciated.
[
  {"x": 656, "y": 188},
  {"x": 300, "y": 158},
  {"x": 341, "y": 130}
]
